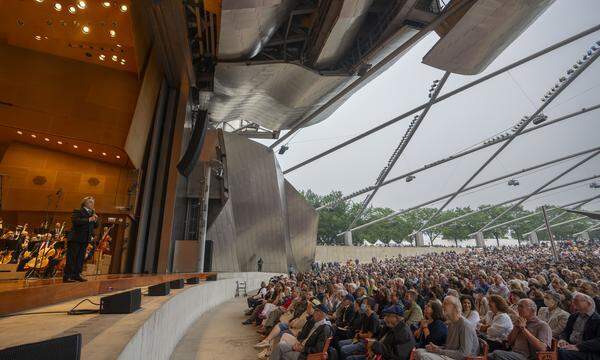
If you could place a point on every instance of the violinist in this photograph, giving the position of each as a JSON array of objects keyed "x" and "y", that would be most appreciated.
[{"x": 84, "y": 221}]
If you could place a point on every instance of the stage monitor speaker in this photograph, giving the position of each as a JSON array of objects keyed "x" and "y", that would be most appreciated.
[
  {"x": 193, "y": 280},
  {"x": 177, "y": 284},
  {"x": 192, "y": 152},
  {"x": 208, "y": 255},
  {"x": 121, "y": 303},
  {"x": 159, "y": 290},
  {"x": 62, "y": 348}
]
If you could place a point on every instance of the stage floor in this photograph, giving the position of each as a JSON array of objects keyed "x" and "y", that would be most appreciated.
[{"x": 21, "y": 295}]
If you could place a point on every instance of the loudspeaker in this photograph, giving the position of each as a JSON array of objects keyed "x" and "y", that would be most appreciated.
[
  {"x": 192, "y": 152},
  {"x": 159, "y": 290},
  {"x": 121, "y": 303},
  {"x": 208, "y": 255},
  {"x": 62, "y": 348},
  {"x": 177, "y": 284},
  {"x": 194, "y": 280}
]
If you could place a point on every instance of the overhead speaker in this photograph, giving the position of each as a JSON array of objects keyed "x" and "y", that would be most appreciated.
[
  {"x": 192, "y": 152},
  {"x": 193, "y": 280},
  {"x": 62, "y": 348},
  {"x": 177, "y": 284},
  {"x": 159, "y": 290},
  {"x": 121, "y": 303}
]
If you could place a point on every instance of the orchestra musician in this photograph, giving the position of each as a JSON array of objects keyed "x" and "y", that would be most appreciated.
[{"x": 84, "y": 221}]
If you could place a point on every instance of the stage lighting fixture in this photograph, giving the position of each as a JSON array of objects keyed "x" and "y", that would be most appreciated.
[
  {"x": 123, "y": 8},
  {"x": 409, "y": 178},
  {"x": 118, "y": 156},
  {"x": 106, "y": 4},
  {"x": 540, "y": 119},
  {"x": 59, "y": 142},
  {"x": 81, "y": 4},
  {"x": 57, "y": 6},
  {"x": 112, "y": 33},
  {"x": 85, "y": 29},
  {"x": 72, "y": 9},
  {"x": 19, "y": 132},
  {"x": 513, "y": 182},
  {"x": 283, "y": 149},
  {"x": 33, "y": 136},
  {"x": 90, "y": 150},
  {"x": 114, "y": 58},
  {"x": 101, "y": 57},
  {"x": 46, "y": 139},
  {"x": 103, "y": 154},
  {"x": 75, "y": 146}
]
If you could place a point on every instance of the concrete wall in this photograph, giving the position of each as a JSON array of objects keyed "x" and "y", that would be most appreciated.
[
  {"x": 365, "y": 254},
  {"x": 157, "y": 337}
]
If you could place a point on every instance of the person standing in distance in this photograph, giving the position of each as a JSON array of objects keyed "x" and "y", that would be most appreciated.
[{"x": 84, "y": 220}]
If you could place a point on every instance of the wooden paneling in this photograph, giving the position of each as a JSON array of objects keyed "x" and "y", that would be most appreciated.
[
  {"x": 135, "y": 145},
  {"x": 65, "y": 97},
  {"x": 76, "y": 176},
  {"x": 38, "y": 26}
]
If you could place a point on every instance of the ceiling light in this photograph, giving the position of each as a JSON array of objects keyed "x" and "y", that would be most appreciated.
[
  {"x": 103, "y": 154},
  {"x": 118, "y": 45},
  {"x": 75, "y": 146},
  {"x": 123, "y": 8},
  {"x": 118, "y": 156},
  {"x": 101, "y": 57},
  {"x": 33, "y": 136},
  {"x": 59, "y": 142},
  {"x": 19, "y": 132},
  {"x": 72, "y": 9},
  {"x": 123, "y": 61},
  {"x": 106, "y": 4},
  {"x": 57, "y": 7},
  {"x": 114, "y": 58},
  {"x": 46, "y": 139},
  {"x": 85, "y": 29},
  {"x": 90, "y": 150},
  {"x": 39, "y": 1},
  {"x": 81, "y": 4},
  {"x": 38, "y": 38},
  {"x": 112, "y": 33}
]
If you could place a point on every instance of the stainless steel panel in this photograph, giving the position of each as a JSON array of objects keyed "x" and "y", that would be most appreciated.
[
  {"x": 273, "y": 95},
  {"x": 483, "y": 33},
  {"x": 343, "y": 32},
  {"x": 303, "y": 222},
  {"x": 222, "y": 234},
  {"x": 257, "y": 197},
  {"x": 247, "y": 25}
]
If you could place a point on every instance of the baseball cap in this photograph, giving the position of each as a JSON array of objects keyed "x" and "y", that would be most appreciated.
[{"x": 394, "y": 309}]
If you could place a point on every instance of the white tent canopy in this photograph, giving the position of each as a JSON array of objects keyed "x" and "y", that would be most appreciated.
[
  {"x": 366, "y": 243},
  {"x": 379, "y": 243},
  {"x": 392, "y": 243},
  {"x": 405, "y": 243}
]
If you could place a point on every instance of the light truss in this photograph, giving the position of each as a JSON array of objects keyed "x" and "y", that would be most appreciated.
[
  {"x": 572, "y": 74},
  {"x": 422, "y": 106},
  {"x": 461, "y": 154}
]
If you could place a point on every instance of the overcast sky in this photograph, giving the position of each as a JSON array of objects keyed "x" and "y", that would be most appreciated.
[{"x": 464, "y": 120}]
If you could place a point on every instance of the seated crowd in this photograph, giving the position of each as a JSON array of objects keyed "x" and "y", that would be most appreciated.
[{"x": 512, "y": 303}]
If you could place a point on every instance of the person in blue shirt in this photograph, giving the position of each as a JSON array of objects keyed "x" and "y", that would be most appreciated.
[{"x": 432, "y": 328}]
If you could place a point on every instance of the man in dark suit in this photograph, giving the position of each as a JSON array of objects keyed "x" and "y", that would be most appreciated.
[
  {"x": 581, "y": 338},
  {"x": 84, "y": 221}
]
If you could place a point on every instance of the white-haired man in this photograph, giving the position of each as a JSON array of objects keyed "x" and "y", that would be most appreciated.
[
  {"x": 84, "y": 220},
  {"x": 581, "y": 338},
  {"x": 461, "y": 341},
  {"x": 528, "y": 336}
]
